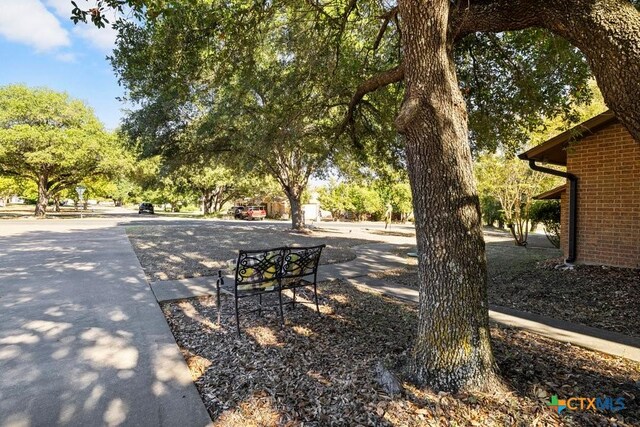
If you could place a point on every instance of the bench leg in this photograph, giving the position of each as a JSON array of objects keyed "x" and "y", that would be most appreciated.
[
  {"x": 219, "y": 283},
  {"x": 293, "y": 304},
  {"x": 315, "y": 293},
  {"x": 237, "y": 318},
  {"x": 281, "y": 312}
]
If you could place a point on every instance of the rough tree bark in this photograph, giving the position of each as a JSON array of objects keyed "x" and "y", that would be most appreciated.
[
  {"x": 207, "y": 201},
  {"x": 43, "y": 196},
  {"x": 293, "y": 174},
  {"x": 221, "y": 195},
  {"x": 213, "y": 199},
  {"x": 452, "y": 350},
  {"x": 296, "y": 209}
]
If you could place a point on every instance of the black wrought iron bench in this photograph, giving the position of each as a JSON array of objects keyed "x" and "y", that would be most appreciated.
[{"x": 260, "y": 272}]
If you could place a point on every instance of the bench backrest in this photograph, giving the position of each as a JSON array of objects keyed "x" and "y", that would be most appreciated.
[
  {"x": 300, "y": 262},
  {"x": 263, "y": 270},
  {"x": 258, "y": 270}
]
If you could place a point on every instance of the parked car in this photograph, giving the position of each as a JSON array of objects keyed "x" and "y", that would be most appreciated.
[
  {"x": 145, "y": 208},
  {"x": 237, "y": 212},
  {"x": 255, "y": 212},
  {"x": 326, "y": 215}
]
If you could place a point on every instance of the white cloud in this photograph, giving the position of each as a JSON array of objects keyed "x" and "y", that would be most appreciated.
[
  {"x": 30, "y": 23},
  {"x": 101, "y": 38},
  {"x": 66, "y": 57},
  {"x": 61, "y": 7}
]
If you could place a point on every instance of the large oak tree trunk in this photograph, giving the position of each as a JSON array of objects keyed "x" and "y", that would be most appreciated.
[
  {"x": 296, "y": 211},
  {"x": 43, "y": 196},
  {"x": 207, "y": 201},
  {"x": 452, "y": 350}
]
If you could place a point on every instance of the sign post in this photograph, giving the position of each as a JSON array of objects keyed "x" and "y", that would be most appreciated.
[{"x": 80, "y": 190}]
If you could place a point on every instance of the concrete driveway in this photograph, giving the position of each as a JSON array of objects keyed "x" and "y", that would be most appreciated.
[{"x": 82, "y": 339}]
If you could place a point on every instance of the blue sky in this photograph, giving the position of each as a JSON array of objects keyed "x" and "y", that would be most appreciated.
[{"x": 40, "y": 46}]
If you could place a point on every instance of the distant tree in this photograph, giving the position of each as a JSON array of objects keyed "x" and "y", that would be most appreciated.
[
  {"x": 401, "y": 199},
  {"x": 365, "y": 200},
  {"x": 355, "y": 198},
  {"x": 10, "y": 186},
  {"x": 491, "y": 209},
  {"x": 257, "y": 187},
  {"x": 122, "y": 190},
  {"x": 213, "y": 184},
  {"x": 161, "y": 184},
  {"x": 52, "y": 140},
  {"x": 332, "y": 198},
  {"x": 510, "y": 181}
]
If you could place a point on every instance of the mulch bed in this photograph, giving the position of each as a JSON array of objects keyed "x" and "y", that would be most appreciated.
[
  {"x": 602, "y": 297},
  {"x": 597, "y": 296},
  {"x": 321, "y": 370},
  {"x": 177, "y": 252}
]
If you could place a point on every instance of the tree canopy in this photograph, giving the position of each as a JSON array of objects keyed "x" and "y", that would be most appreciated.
[{"x": 52, "y": 140}]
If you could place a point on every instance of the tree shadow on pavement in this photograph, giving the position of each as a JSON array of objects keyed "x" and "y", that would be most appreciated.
[{"x": 82, "y": 340}]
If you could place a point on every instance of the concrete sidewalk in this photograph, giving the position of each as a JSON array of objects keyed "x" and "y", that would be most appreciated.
[
  {"x": 371, "y": 258},
  {"x": 82, "y": 339},
  {"x": 374, "y": 258}
]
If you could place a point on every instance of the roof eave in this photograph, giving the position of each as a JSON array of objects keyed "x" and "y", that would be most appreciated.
[{"x": 559, "y": 142}]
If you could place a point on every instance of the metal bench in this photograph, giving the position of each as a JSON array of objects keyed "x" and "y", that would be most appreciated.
[{"x": 260, "y": 272}]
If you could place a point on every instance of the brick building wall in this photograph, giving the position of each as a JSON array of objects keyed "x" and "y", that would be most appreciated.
[{"x": 607, "y": 165}]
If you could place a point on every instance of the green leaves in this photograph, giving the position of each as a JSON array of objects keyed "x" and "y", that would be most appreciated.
[
  {"x": 365, "y": 198},
  {"x": 512, "y": 81},
  {"x": 510, "y": 182},
  {"x": 47, "y": 135}
]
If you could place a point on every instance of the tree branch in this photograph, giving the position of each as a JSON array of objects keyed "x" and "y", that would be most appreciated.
[
  {"x": 496, "y": 16},
  {"x": 391, "y": 14},
  {"x": 5, "y": 171},
  {"x": 343, "y": 23},
  {"x": 605, "y": 31},
  {"x": 393, "y": 75},
  {"x": 320, "y": 9}
]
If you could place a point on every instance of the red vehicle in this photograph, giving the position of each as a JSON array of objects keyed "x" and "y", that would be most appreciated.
[{"x": 254, "y": 212}]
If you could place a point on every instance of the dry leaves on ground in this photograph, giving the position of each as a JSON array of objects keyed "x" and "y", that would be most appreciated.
[
  {"x": 527, "y": 280},
  {"x": 321, "y": 370}
]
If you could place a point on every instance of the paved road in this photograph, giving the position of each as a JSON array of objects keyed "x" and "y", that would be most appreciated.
[{"x": 82, "y": 339}]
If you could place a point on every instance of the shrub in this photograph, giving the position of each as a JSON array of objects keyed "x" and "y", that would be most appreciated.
[{"x": 547, "y": 213}]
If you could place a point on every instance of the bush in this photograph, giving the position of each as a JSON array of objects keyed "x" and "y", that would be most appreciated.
[
  {"x": 547, "y": 213},
  {"x": 491, "y": 210}
]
